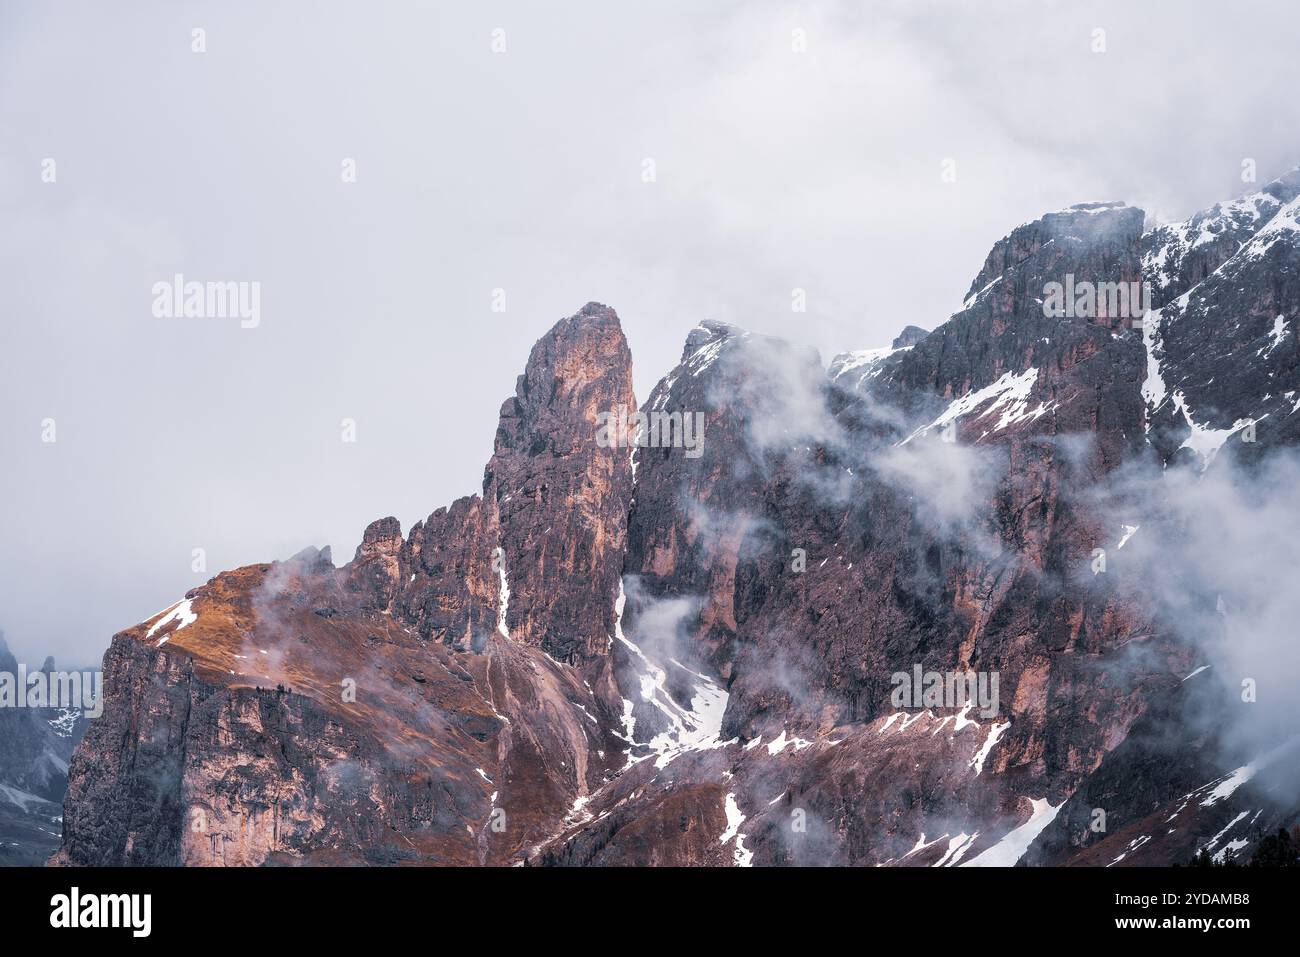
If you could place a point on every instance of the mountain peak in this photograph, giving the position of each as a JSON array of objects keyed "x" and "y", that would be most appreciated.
[
  {"x": 1094, "y": 225},
  {"x": 910, "y": 336},
  {"x": 511, "y": 665},
  {"x": 1286, "y": 187},
  {"x": 709, "y": 330},
  {"x": 595, "y": 318},
  {"x": 598, "y": 310}
]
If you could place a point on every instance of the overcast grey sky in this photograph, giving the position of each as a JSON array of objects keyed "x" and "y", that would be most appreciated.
[{"x": 519, "y": 170}]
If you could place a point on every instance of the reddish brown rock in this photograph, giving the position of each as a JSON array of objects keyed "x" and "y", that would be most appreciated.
[{"x": 686, "y": 655}]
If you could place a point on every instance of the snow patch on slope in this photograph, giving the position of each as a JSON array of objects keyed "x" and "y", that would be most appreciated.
[
  {"x": 782, "y": 742},
  {"x": 1284, "y": 225},
  {"x": 1203, "y": 440},
  {"x": 697, "y": 728},
  {"x": 1010, "y": 394},
  {"x": 855, "y": 368},
  {"x": 180, "y": 612},
  {"x": 1277, "y": 334},
  {"x": 741, "y": 856},
  {"x": 1153, "y": 388},
  {"x": 957, "y": 848},
  {"x": 503, "y": 593},
  {"x": 1012, "y": 847},
  {"x": 1229, "y": 783},
  {"x": 1239, "y": 217},
  {"x": 995, "y": 732},
  {"x": 1232, "y": 846}
]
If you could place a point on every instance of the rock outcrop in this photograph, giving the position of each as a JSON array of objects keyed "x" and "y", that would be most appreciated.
[
  {"x": 679, "y": 640},
  {"x": 423, "y": 703}
]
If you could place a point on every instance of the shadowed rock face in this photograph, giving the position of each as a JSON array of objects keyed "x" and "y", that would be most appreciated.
[
  {"x": 853, "y": 485},
  {"x": 1224, "y": 355},
  {"x": 685, "y": 654},
  {"x": 35, "y": 745}
]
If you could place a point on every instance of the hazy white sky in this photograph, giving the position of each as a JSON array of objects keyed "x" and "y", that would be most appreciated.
[{"x": 519, "y": 170}]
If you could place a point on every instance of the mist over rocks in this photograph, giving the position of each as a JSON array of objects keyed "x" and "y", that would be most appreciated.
[{"x": 631, "y": 655}]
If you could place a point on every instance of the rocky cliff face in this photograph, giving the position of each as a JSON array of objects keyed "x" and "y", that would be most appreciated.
[
  {"x": 537, "y": 557},
  {"x": 1207, "y": 766},
  {"x": 443, "y": 698},
  {"x": 1222, "y": 346},
  {"x": 687, "y": 652},
  {"x": 851, "y": 542}
]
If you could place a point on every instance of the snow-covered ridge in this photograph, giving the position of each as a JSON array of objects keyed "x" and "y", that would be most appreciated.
[
  {"x": 1255, "y": 221},
  {"x": 1010, "y": 394},
  {"x": 1084, "y": 209},
  {"x": 704, "y": 345},
  {"x": 705, "y": 342},
  {"x": 976, "y": 296},
  {"x": 707, "y": 354},
  {"x": 1173, "y": 241},
  {"x": 856, "y": 368},
  {"x": 1285, "y": 224}
]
